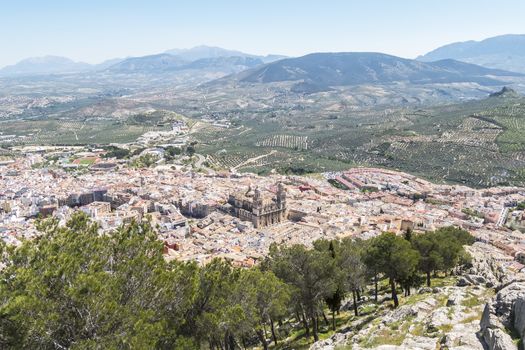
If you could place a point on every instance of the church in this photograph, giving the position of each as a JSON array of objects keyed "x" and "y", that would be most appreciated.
[{"x": 261, "y": 210}]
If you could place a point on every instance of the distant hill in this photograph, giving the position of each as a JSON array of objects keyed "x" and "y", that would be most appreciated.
[
  {"x": 225, "y": 62},
  {"x": 502, "y": 52},
  {"x": 505, "y": 92},
  {"x": 323, "y": 70},
  {"x": 148, "y": 64},
  {"x": 155, "y": 64},
  {"x": 44, "y": 65},
  {"x": 206, "y": 52},
  {"x": 200, "y": 57}
]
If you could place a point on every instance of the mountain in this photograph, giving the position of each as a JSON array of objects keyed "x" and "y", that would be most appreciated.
[
  {"x": 161, "y": 63},
  {"x": 323, "y": 70},
  {"x": 502, "y": 52},
  {"x": 44, "y": 65},
  {"x": 148, "y": 64},
  {"x": 204, "y": 52},
  {"x": 200, "y": 57},
  {"x": 241, "y": 63}
]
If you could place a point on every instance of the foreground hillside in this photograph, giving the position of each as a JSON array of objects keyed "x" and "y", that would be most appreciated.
[{"x": 74, "y": 288}]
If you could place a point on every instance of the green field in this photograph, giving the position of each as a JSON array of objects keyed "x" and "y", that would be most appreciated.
[
  {"x": 70, "y": 130},
  {"x": 480, "y": 143}
]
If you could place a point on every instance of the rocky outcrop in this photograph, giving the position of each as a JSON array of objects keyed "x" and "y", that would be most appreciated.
[
  {"x": 518, "y": 311},
  {"x": 506, "y": 311},
  {"x": 483, "y": 271},
  {"x": 442, "y": 318},
  {"x": 505, "y": 301},
  {"x": 497, "y": 339},
  {"x": 492, "y": 331}
]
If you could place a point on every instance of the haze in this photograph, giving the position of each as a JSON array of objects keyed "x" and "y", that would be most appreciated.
[{"x": 98, "y": 30}]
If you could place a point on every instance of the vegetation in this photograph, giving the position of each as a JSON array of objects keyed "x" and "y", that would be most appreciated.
[
  {"x": 116, "y": 152},
  {"x": 144, "y": 161},
  {"x": 469, "y": 142},
  {"x": 74, "y": 288}
]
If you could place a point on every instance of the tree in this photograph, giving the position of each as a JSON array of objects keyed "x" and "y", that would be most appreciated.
[
  {"x": 353, "y": 268},
  {"x": 431, "y": 259},
  {"x": 394, "y": 257},
  {"x": 451, "y": 241},
  {"x": 309, "y": 272},
  {"x": 214, "y": 314},
  {"x": 264, "y": 298},
  {"x": 74, "y": 287},
  {"x": 372, "y": 258},
  {"x": 335, "y": 299}
]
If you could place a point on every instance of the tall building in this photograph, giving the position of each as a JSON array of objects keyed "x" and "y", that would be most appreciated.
[{"x": 261, "y": 210}]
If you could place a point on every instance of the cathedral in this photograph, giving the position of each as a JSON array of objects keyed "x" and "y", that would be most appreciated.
[{"x": 259, "y": 209}]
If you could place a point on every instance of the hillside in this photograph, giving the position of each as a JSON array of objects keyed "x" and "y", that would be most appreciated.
[
  {"x": 502, "y": 52},
  {"x": 478, "y": 142},
  {"x": 355, "y": 68}
]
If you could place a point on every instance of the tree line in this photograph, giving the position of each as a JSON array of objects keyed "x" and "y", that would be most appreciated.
[{"x": 72, "y": 288}]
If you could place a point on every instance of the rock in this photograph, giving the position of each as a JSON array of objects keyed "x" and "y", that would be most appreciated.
[
  {"x": 438, "y": 318},
  {"x": 326, "y": 344},
  {"x": 492, "y": 331},
  {"x": 476, "y": 279},
  {"x": 505, "y": 300},
  {"x": 437, "y": 290},
  {"x": 454, "y": 299},
  {"x": 497, "y": 339},
  {"x": 446, "y": 342},
  {"x": 424, "y": 290},
  {"x": 489, "y": 319},
  {"x": 420, "y": 343},
  {"x": 518, "y": 310},
  {"x": 463, "y": 282}
]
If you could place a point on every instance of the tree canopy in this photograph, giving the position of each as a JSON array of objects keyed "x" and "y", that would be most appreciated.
[{"x": 74, "y": 288}]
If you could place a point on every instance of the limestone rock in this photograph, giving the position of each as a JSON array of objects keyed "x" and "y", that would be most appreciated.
[
  {"x": 424, "y": 290},
  {"x": 476, "y": 279},
  {"x": 497, "y": 339},
  {"x": 489, "y": 319},
  {"x": 505, "y": 301},
  {"x": 454, "y": 299},
  {"x": 518, "y": 310},
  {"x": 463, "y": 282}
]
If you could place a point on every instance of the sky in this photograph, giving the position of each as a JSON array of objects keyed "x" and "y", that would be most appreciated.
[{"x": 95, "y": 30}]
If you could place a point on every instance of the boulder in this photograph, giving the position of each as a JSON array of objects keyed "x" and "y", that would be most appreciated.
[
  {"x": 497, "y": 339},
  {"x": 463, "y": 282},
  {"x": 424, "y": 290},
  {"x": 476, "y": 279}
]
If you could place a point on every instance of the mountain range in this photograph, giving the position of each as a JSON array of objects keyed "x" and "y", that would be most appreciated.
[
  {"x": 165, "y": 62},
  {"x": 209, "y": 52},
  {"x": 466, "y": 62},
  {"x": 320, "y": 71},
  {"x": 502, "y": 52},
  {"x": 199, "y": 57}
]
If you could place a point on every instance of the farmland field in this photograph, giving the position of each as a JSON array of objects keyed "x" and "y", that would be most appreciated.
[{"x": 480, "y": 143}]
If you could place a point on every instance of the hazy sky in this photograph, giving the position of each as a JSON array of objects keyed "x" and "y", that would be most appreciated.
[{"x": 95, "y": 30}]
